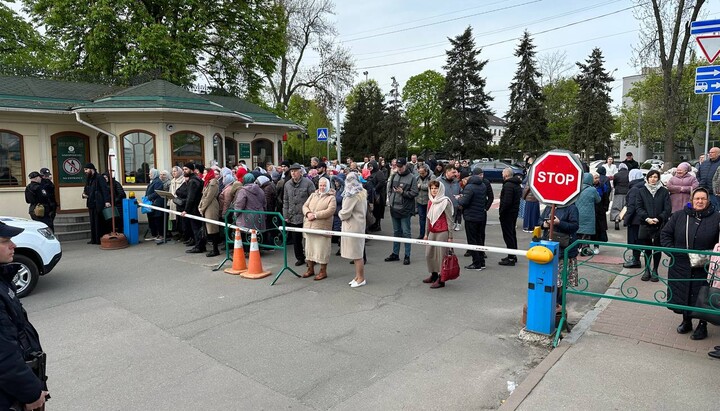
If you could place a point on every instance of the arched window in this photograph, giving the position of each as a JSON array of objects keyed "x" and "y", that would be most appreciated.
[
  {"x": 187, "y": 147},
  {"x": 262, "y": 150},
  {"x": 218, "y": 149},
  {"x": 138, "y": 156},
  {"x": 11, "y": 160}
]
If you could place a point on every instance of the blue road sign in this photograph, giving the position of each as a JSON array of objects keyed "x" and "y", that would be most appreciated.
[
  {"x": 715, "y": 108},
  {"x": 707, "y": 80},
  {"x": 322, "y": 134},
  {"x": 704, "y": 27}
]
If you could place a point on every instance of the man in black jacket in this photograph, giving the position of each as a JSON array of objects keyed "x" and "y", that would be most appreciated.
[
  {"x": 19, "y": 386},
  {"x": 36, "y": 195},
  {"x": 510, "y": 195},
  {"x": 194, "y": 194},
  {"x": 97, "y": 194},
  {"x": 47, "y": 184},
  {"x": 474, "y": 207}
]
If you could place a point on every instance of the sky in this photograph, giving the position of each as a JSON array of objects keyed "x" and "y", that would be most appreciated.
[{"x": 403, "y": 38}]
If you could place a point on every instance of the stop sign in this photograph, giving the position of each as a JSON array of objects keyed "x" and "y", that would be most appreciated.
[{"x": 556, "y": 177}]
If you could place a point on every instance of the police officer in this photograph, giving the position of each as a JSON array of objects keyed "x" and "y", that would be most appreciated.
[{"x": 18, "y": 339}]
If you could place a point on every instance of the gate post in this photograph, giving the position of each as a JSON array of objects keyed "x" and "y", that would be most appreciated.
[{"x": 542, "y": 291}]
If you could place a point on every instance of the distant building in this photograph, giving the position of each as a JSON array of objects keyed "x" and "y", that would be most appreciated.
[{"x": 497, "y": 129}]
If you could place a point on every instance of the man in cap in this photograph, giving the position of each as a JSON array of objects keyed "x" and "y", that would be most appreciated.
[
  {"x": 97, "y": 194},
  {"x": 20, "y": 387},
  {"x": 403, "y": 189},
  {"x": 630, "y": 162},
  {"x": 295, "y": 192},
  {"x": 321, "y": 172},
  {"x": 38, "y": 199}
]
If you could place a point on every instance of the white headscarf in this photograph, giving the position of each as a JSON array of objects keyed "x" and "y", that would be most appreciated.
[
  {"x": 438, "y": 204},
  {"x": 327, "y": 185}
]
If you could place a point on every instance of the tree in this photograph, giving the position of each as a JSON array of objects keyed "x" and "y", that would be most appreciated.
[
  {"x": 664, "y": 38},
  {"x": 309, "y": 30},
  {"x": 361, "y": 134},
  {"x": 526, "y": 122},
  {"x": 394, "y": 125},
  {"x": 645, "y": 118},
  {"x": 424, "y": 110},
  {"x": 465, "y": 103},
  {"x": 230, "y": 42},
  {"x": 23, "y": 51},
  {"x": 593, "y": 124},
  {"x": 560, "y": 107},
  {"x": 311, "y": 115},
  {"x": 553, "y": 67}
]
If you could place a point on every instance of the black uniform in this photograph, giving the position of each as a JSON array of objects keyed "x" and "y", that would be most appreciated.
[
  {"x": 18, "y": 338},
  {"x": 36, "y": 194}
]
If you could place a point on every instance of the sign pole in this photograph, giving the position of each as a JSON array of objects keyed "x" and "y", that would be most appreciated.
[
  {"x": 552, "y": 223},
  {"x": 707, "y": 124}
]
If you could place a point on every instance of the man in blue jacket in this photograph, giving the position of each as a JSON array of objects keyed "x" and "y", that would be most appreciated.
[{"x": 18, "y": 383}]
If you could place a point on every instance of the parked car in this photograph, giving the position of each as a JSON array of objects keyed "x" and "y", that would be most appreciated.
[
  {"x": 492, "y": 170},
  {"x": 651, "y": 164},
  {"x": 37, "y": 251}
]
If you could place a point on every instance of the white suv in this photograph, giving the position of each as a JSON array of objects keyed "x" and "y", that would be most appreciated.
[{"x": 37, "y": 250}]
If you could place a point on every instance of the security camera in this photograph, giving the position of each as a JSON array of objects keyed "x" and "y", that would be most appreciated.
[{"x": 169, "y": 127}]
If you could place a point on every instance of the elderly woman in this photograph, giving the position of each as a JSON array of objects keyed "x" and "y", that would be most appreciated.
[
  {"x": 680, "y": 186},
  {"x": 693, "y": 228},
  {"x": 155, "y": 218},
  {"x": 250, "y": 198},
  {"x": 210, "y": 209},
  {"x": 227, "y": 193},
  {"x": 165, "y": 178},
  {"x": 653, "y": 210},
  {"x": 437, "y": 228},
  {"x": 318, "y": 213},
  {"x": 177, "y": 204},
  {"x": 338, "y": 182},
  {"x": 353, "y": 215},
  {"x": 586, "y": 211}
]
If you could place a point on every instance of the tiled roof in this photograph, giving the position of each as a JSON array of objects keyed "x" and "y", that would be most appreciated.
[
  {"x": 257, "y": 113},
  {"x": 496, "y": 121},
  {"x": 42, "y": 94}
]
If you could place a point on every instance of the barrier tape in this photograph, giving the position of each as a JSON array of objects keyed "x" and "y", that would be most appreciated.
[{"x": 460, "y": 246}]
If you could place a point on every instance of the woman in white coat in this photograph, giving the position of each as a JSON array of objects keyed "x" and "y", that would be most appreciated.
[{"x": 352, "y": 215}]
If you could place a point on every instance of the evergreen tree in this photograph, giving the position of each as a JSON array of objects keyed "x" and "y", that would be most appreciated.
[
  {"x": 394, "y": 126},
  {"x": 465, "y": 103},
  {"x": 361, "y": 134},
  {"x": 527, "y": 128},
  {"x": 593, "y": 122}
]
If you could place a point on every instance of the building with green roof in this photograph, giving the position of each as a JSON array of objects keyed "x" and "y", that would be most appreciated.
[{"x": 62, "y": 125}]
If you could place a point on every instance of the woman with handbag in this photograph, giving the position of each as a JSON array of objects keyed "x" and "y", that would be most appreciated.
[
  {"x": 565, "y": 226},
  {"x": 653, "y": 209},
  {"x": 693, "y": 228},
  {"x": 439, "y": 215},
  {"x": 318, "y": 212}
]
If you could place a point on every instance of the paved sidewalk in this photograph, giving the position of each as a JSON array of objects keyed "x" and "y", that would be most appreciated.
[{"x": 624, "y": 355}]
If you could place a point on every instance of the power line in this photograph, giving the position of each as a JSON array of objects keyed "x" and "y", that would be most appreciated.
[
  {"x": 504, "y": 41},
  {"x": 443, "y": 21}
]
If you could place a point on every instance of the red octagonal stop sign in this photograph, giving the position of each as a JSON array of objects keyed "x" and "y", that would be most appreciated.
[{"x": 556, "y": 177}]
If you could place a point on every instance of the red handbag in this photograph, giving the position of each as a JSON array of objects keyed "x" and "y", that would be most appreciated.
[{"x": 450, "y": 269}]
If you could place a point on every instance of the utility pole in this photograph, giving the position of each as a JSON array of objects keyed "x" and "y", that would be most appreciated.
[{"x": 337, "y": 122}]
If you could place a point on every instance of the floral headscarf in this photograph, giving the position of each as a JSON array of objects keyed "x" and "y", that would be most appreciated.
[{"x": 352, "y": 185}]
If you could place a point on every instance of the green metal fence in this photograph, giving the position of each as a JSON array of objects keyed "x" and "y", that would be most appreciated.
[
  {"x": 628, "y": 290},
  {"x": 269, "y": 227}
]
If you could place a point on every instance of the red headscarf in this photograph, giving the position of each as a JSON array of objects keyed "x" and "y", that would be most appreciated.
[
  {"x": 240, "y": 173},
  {"x": 209, "y": 175}
]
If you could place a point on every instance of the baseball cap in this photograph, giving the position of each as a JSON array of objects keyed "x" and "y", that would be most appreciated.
[
  {"x": 401, "y": 161},
  {"x": 8, "y": 231},
  {"x": 34, "y": 174},
  {"x": 45, "y": 171}
]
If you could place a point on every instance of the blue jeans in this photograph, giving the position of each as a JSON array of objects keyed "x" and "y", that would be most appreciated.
[
  {"x": 422, "y": 216},
  {"x": 401, "y": 228}
]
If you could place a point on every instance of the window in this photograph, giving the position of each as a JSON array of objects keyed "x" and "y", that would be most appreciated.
[
  {"x": 231, "y": 150},
  {"x": 11, "y": 164},
  {"x": 262, "y": 150},
  {"x": 187, "y": 147},
  {"x": 218, "y": 149},
  {"x": 138, "y": 156}
]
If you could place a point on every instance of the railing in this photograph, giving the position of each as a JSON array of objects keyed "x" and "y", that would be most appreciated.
[{"x": 628, "y": 290}]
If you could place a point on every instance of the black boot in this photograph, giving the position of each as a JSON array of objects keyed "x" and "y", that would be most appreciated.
[
  {"x": 617, "y": 225},
  {"x": 433, "y": 277},
  {"x": 685, "y": 326},
  {"x": 646, "y": 275},
  {"x": 214, "y": 252},
  {"x": 700, "y": 332}
]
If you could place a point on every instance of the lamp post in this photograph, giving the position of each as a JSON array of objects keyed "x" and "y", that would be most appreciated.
[{"x": 366, "y": 75}]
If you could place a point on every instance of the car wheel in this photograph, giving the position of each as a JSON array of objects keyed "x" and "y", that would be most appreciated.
[{"x": 27, "y": 277}]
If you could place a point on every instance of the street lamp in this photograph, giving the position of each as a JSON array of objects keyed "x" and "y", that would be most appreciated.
[{"x": 366, "y": 74}]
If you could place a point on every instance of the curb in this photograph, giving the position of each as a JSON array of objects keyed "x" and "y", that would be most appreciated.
[{"x": 538, "y": 373}]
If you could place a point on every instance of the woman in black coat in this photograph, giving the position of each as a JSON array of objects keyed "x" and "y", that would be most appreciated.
[
  {"x": 378, "y": 178},
  {"x": 631, "y": 219},
  {"x": 653, "y": 209},
  {"x": 700, "y": 226}
]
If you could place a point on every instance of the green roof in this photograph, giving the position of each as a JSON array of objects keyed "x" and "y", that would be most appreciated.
[{"x": 40, "y": 94}]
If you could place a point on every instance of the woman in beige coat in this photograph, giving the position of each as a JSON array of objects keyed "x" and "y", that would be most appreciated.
[
  {"x": 210, "y": 208},
  {"x": 352, "y": 215},
  {"x": 318, "y": 210}
]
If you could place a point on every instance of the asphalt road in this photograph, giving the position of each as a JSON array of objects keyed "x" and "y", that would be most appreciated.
[{"x": 150, "y": 327}]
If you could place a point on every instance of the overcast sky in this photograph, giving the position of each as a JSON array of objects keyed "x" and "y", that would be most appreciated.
[{"x": 403, "y": 38}]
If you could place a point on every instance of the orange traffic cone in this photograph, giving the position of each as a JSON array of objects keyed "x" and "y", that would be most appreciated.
[
  {"x": 238, "y": 265},
  {"x": 255, "y": 269}
]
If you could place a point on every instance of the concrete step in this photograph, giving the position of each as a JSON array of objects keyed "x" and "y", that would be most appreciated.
[
  {"x": 72, "y": 218},
  {"x": 70, "y": 227},
  {"x": 73, "y": 235}
]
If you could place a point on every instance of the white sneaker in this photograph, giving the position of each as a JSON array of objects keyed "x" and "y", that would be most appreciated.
[
  {"x": 596, "y": 250},
  {"x": 457, "y": 227}
]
